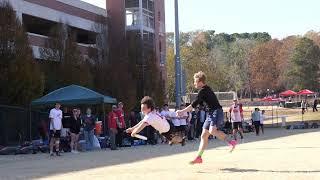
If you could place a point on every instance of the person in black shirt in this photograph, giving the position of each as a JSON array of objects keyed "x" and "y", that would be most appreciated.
[
  {"x": 66, "y": 115},
  {"x": 214, "y": 119},
  {"x": 195, "y": 120},
  {"x": 315, "y": 104},
  {"x": 75, "y": 125}
]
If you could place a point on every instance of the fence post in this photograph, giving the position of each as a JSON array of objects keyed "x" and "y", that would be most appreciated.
[{"x": 30, "y": 119}]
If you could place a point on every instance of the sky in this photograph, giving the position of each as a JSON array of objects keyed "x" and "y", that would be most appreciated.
[{"x": 280, "y": 18}]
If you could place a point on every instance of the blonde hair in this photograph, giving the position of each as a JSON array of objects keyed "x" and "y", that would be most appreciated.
[{"x": 201, "y": 76}]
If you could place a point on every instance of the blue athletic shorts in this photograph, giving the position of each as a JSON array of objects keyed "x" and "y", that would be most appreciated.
[{"x": 214, "y": 118}]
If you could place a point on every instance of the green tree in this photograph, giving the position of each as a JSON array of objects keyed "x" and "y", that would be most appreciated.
[
  {"x": 263, "y": 71},
  {"x": 305, "y": 65},
  {"x": 238, "y": 65},
  {"x": 21, "y": 78},
  {"x": 283, "y": 63}
]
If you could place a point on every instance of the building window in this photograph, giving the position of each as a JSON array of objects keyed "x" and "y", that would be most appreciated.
[
  {"x": 132, "y": 3},
  {"x": 132, "y": 17},
  {"x": 160, "y": 46},
  {"x": 148, "y": 4},
  {"x": 148, "y": 18}
]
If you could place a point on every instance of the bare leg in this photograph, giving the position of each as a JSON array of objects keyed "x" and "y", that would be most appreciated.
[
  {"x": 222, "y": 136},
  {"x": 76, "y": 140},
  {"x": 203, "y": 145},
  {"x": 52, "y": 140},
  {"x": 204, "y": 141},
  {"x": 57, "y": 142},
  {"x": 234, "y": 133},
  {"x": 72, "y": 142},
  {"x": 219, "y": 134},
  {"x": 241, "y": 132}
]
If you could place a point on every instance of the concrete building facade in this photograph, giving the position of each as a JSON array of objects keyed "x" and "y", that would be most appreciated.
[
  {"x": 144, "y": 19},
  {"x": 39, "y": 16}
]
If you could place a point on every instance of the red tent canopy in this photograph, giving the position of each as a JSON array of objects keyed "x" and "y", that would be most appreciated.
[
  {"x": 305, "y": 92},
  {"x": 288, "y": 93}
]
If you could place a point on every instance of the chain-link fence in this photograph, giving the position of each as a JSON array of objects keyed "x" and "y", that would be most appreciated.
[{"x": 16, "y": 125}]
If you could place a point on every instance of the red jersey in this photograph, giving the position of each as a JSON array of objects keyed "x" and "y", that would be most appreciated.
[
  {"x": 112, "y": 120},
  {"x": 120, "y": 114}
]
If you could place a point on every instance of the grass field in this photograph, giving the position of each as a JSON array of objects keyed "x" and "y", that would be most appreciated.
[{"x": 278, "y": 154}]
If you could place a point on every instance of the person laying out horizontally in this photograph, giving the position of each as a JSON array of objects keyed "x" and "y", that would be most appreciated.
[{"x": 155, "y": 120}]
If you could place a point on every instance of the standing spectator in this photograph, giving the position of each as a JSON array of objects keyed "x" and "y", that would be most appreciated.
[
  {"x": 202, "y": 118},
  {"x": 75, "y": 125},
  {"x": 165, "y": 112},
  {"x": 65, "y": 122},
  {"x": 121, "y": 125},
  {"x": 315, "y": 104},
  {"x": 112, "y": 124},
  {"x": 303, "y": 106},
  {"x": 175, "y": 120},
  {"x": 262, "y": 117},
  {"x": 236, "y": 116},
  {"x": 256, "y": 120},
  {"x": 89, "y": 124},
  {"x": 183, "y": 121},
  {"x": 132, "y": 119},
  {"x": 55, "y": 128},
  {"x": 195, "y": 118}
]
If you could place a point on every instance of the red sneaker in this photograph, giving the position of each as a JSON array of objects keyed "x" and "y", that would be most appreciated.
[
  {"x": 197, "y": 160},
  {"x": 233, "y": 144}
]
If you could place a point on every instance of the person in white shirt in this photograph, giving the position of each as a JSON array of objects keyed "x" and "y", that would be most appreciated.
[
  {"x": 183, "y": 120},
  {"x": 165, "y": 112},
  {"x": 262, "y": 117},
  {"x": 175, "y": 120},
  {"x": 55, "y": 128},
  {"x": 236, "y": 116},
  {"x": 156, "y": 121}
]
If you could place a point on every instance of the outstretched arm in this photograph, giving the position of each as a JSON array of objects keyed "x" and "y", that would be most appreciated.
[
  {"x": 140, "y": 127},
  {"x": 134, "y": 127},
  {"x": 187, "y": 109},
  {"x": 130, "y": 130}
]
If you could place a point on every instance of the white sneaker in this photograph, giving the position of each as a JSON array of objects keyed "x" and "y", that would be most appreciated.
[
  {"x": 72, "y": 151},
  {"x": 76, "y": 152}
]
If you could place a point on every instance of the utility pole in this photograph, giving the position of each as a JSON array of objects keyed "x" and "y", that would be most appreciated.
[{"x": 177, "y": 56}]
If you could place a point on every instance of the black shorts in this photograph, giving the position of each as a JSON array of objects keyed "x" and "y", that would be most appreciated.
[
  {"x": 236, "y": 125},
  {"x": 56, "y": 134},
  {"x": 74, "y": 130}
]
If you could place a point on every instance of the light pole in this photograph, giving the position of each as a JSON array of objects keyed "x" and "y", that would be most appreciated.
[{"x": 177, "y": 56}]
